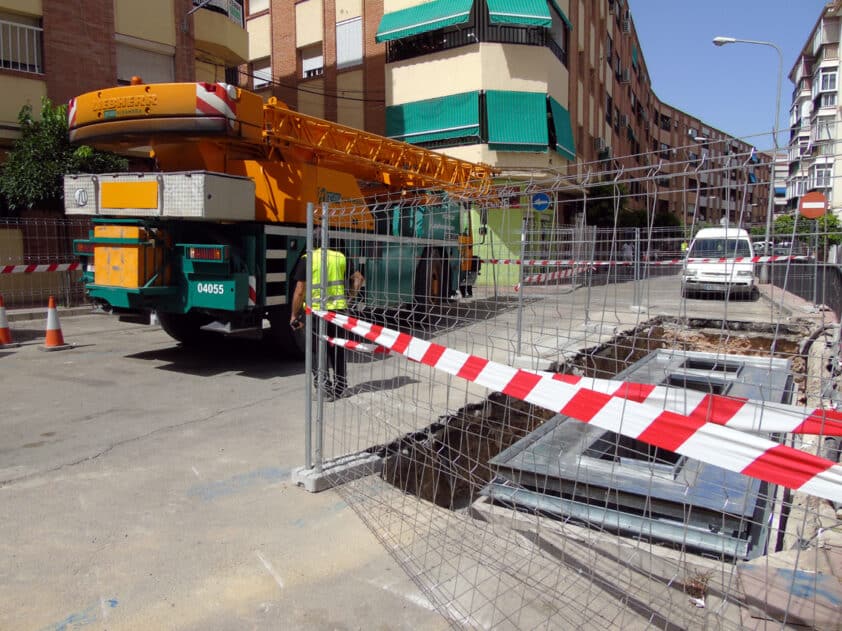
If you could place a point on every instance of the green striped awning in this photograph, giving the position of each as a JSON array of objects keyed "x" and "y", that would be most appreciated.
[
  {"x": 443, "y": 118},
  {"x": 517, "y": 121},
  {"x": 565, "y": 143},
  {"x": 520, "y": 12},
  {"x": 561, "y": 14},
  {"x": 423, "y": 18}
]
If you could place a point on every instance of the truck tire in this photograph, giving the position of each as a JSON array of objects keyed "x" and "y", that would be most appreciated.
[
  {"x": 185, "y": 327},
  {"x": 430, "y": 281},
  {"x": 290, "y": 343}
]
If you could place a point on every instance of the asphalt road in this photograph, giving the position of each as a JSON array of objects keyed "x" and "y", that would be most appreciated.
[{"x": 145, "y": 486}]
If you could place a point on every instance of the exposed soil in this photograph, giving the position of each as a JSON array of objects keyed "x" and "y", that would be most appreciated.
[{"x": 447, "y": 463}]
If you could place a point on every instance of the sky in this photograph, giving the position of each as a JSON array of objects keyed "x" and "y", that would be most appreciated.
[{"x": 732, "y": 87}]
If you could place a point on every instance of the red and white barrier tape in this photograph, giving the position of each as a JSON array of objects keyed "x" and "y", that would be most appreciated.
[
  {"x": 734, "y": 412},
  {"x": 570, "y": 262},
  {"x": 550, "y": 276},
  {"x": 353, "y": 345},
  {"x": 694, "y": 435},
  {"x": 31, "y": 269}
]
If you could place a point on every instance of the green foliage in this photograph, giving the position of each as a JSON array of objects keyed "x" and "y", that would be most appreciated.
[
  {"x": 829, "y": 228},
  {"x": 600, "y": 212},
  {"x": 33, "y": 173}
]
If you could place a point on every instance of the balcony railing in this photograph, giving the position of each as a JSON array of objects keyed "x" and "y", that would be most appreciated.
[
  {"x": 232, "y": 8},
  {"x": 20, "y": 47}
]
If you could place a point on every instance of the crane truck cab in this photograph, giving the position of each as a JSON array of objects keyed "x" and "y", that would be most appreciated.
[{"x": 719, "y": 261}]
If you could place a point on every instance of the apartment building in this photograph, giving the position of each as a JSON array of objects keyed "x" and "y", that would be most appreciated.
[
  {"x": 814, "y": 113},
  {"x": 59, "y": 49},
  {"x": 554, "y": 86},
  {"x": 320, "y": 57}
]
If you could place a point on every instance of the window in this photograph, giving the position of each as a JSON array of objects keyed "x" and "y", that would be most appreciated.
[
  {"x": 821, "y": 175},
  {"x": 349, "y": 43},
  {"x": 443, "y": 121},
  {"x": 823, "y": 128},
  {"x": 609, "y": 48},
  {"x": 609, "y": 108},
  {"x": 256, "y": 6},
  {"x": 558, "y": 38},
  {"x": 828, "y": 99},
  {"x": 665, "y": 122},
  {"x": 664, "y": 150},
  {"x": 692, "y": 132},
  {"x": 261, "y": 73},
  {"x": 827, "y": 81},
  {"x": 20, "y": 43},
  {"x": 312, "y": 61},
  {"x": 153, "y": 65},
  {"x": 797, "y": 187},
  {"x": 526, "y": 132}
]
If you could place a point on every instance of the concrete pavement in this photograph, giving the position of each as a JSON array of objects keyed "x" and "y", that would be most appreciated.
[{"x": 144, "y": 486}]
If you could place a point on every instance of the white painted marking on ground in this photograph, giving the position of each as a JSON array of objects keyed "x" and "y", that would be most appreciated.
[
  {"x": 422, "y": 601},
  {"x": 103, "y": 607},
  {"x": 271, "y": 570},
  {"x": 196, "y": 472}
]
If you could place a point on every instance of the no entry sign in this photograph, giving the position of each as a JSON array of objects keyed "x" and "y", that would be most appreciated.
[{"x": 812, "y": 205}]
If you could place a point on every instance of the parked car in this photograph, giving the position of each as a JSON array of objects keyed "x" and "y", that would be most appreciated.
[{"x": 718, "y": 276}]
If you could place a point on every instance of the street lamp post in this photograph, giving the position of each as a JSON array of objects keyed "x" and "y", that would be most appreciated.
[{"x": 722, "y": 41}]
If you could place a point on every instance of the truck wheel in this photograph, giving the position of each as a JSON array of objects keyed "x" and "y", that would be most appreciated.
[
  {"x": 185, "y": 327},
  {"x": 291, "y": 343},
  {"x": 430, "y": 282}
]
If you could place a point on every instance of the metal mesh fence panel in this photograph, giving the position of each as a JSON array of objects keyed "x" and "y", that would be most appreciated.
[
  {"x": 638, "y": 494},
  {"x": 37, "y": 261}
]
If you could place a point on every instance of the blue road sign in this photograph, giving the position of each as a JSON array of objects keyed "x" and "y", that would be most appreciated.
[{"x": 540, "y": 201}]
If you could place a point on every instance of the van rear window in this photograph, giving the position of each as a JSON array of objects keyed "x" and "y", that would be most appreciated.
[{"x": 719, "y": 248}]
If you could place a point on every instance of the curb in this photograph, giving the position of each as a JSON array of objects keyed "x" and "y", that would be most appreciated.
[{"x": 24, "y": 315}]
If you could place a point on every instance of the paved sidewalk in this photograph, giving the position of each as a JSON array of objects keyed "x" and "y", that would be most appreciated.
[{"x": 34, "y": 313}]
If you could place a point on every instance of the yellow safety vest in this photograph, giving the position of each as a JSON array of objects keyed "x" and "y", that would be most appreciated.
[{"x": 336, "y": 298}]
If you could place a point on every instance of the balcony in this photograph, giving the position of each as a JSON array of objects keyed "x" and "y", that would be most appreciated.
[
  {"x": 219, "y": 31},
  {"x": 20, "y": 47}
]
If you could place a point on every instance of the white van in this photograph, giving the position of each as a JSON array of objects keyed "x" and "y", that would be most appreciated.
[{"x": 719, "y": 277}]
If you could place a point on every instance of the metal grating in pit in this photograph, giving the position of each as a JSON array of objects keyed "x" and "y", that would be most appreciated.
[{"x": 575, "y": 471}]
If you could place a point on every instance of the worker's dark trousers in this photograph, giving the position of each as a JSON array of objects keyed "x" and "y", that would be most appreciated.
[{"x": 334, "y": 376}]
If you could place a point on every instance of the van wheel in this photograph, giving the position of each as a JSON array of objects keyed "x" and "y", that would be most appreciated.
[{"x": 755, "y": 293}]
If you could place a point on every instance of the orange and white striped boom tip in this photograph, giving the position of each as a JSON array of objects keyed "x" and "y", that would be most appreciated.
[{"x": 705, "y": 434}]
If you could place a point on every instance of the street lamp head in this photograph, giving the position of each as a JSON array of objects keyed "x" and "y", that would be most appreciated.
[{"x": 721, "y": 41}]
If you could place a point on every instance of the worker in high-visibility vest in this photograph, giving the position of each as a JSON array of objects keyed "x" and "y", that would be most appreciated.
[{"x": 336, "y": 300}]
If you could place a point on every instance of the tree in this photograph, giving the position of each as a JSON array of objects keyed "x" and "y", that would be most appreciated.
[
  {"x": 829, "y": 228},
  {"x": 33, "y": 173}
]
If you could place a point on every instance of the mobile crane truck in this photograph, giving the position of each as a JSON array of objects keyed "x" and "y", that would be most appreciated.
[{"x": 209, "y": 235}]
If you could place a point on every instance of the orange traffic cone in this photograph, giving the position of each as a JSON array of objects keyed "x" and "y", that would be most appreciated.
[
  {"x": 54, "y": 340},
  {"x": 5, "y": 332}
]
